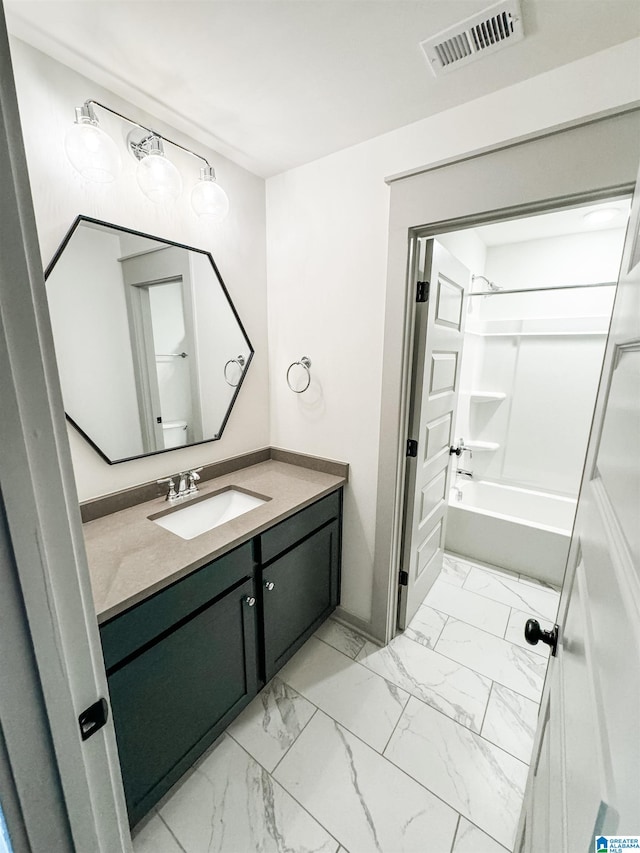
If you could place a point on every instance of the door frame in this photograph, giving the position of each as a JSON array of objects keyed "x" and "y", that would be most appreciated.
[
  {"x": 49, "y": 628},
  {"x": 574, "y": 170}
]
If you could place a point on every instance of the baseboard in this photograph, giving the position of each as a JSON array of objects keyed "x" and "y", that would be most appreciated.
[{"x": 362, "y": 626}]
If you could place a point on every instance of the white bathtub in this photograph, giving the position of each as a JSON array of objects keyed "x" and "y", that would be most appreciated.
[{"x": 517, "y": 529}]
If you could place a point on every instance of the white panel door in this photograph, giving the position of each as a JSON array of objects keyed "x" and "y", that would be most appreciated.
[
  {"x": 42, "y": 552},
  {"x": 439, "y": 333},
  {"x": 585, "y": 781}
]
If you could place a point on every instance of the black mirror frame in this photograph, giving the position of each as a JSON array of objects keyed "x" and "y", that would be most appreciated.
[{"x": 88, "y": 219}]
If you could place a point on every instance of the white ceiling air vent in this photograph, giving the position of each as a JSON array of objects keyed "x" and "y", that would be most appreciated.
[{"x": 486, "y": 32}]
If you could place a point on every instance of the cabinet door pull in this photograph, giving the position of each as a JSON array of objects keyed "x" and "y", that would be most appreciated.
[
  {"x": 269, "y": 585},
  {"x": 249, "y": 600}
]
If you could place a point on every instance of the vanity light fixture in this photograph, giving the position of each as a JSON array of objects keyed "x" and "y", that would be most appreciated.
[
  {"x": 95, "y": 156},
  {"x": 208, "y": 198},
  {"x": 157, "y": 177},
  {"x": 90, "y": 150}
]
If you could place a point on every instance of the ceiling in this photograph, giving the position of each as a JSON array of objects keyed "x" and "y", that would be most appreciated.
[
  {"x": 558, "y": 223},
  {"x": 273, "y": 84}
]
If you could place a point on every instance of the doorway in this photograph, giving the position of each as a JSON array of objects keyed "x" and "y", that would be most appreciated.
[
  {"x": 566, "y": 167},
  {"x": 158, "y": 286},
  {"x": 561, "y": 170},
  {"x": 496, "y": 481},
  {"x": 163, "y": 356},
  {"x": 538, "y": 314}
]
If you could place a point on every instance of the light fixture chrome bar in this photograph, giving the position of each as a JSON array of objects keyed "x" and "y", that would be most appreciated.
[
  {"x": 87, "y": 108},
  {"x": 542, "y": 289}
]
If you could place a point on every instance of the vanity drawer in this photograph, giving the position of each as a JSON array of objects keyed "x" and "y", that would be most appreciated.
[
  {"x": 125, "y": 634},
  {"x": 284, "y": 535}
]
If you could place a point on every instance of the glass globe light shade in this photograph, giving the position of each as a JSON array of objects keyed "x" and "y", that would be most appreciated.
[
  {"x": 158, "y": 178},
  {"x": 208, "y": 199},
  {"x": 92, "y": 152}
]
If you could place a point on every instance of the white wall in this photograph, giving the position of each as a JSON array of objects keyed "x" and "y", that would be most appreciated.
[
  {"x": 99, "y": 392},
  {"x": 327, "y": 237},
  {"x": 533, "y": 348},
  {"x": 586, "y": 258},
  {"x": 47, "y": 95},
  {"x": 214, "y": 350}
]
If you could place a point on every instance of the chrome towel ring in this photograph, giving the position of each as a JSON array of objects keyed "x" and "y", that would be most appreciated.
[
  {"x": 240, "y": 361},
  {"x": 305, "y": 363}
]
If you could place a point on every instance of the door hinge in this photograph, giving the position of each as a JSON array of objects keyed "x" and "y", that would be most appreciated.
[
  {"x": 404, "y": 578},
  {"x": 412, "y": 447},
  {"x": 93, "y": 718},
  {"x": 422, "y": 291}
]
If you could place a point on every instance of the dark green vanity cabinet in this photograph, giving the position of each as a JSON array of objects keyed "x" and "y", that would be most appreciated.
[
  {"x": 189, "y": 667},
  {"x": 300, "y": 574},
  {"x": 183, "y": 663}
]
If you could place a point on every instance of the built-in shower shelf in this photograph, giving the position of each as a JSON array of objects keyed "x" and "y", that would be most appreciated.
[
  {"x": 487, "y": 396},
  {"x": 481, "y": 446}
]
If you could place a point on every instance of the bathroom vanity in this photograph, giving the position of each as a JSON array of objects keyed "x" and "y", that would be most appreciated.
[{"x": 191, "y": 629}]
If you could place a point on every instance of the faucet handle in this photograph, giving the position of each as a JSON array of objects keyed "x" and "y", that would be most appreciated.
[
  {"x": 171, "y": 494},
  {"x": 193, "y": 476}
]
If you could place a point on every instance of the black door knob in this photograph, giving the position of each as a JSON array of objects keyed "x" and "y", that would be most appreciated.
[
  {"x": 534, "y": 634},
  {"x": 456, "y": 450}
]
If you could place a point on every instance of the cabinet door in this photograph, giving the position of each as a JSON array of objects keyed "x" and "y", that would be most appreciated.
[
  {"x": 175, "y": 697},
  {"x": 305, "y": 590}
]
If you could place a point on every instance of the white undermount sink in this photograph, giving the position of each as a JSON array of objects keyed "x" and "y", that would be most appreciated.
[{"x": 195, "y": 518}]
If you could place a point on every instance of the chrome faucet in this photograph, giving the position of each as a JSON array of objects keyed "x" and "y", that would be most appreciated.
[
  {"x": 183, "y": 488},
  {"x": 186, "y": 485},
  {"x": 459, "y": 450}
]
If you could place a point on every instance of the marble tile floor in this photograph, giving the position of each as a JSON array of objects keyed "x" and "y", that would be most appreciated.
[{"x": 419, "y": 746}]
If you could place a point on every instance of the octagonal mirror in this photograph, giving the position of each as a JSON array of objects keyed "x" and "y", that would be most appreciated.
[{"x": 150, "y": 349}]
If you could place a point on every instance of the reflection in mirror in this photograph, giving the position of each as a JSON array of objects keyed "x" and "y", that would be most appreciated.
[{"x": 150, "y": 349}]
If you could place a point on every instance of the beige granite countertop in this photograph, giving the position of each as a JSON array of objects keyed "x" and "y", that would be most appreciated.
[{"x": 131, "y": 557}]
